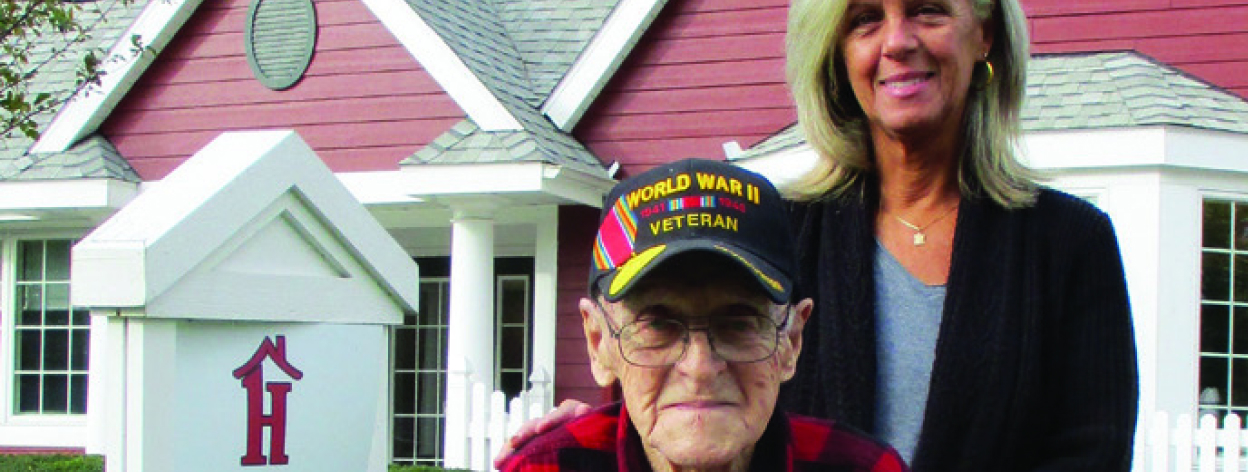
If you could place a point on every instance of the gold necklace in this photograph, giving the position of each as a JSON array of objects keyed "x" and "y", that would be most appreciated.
[{"x": 920, "y": 238}]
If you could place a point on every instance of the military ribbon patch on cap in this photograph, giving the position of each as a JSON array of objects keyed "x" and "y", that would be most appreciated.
[
  {"x": 689, "y": 203},
  {"x": 616, "y": 236}
]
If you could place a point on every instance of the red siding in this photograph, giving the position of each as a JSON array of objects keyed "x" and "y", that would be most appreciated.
[
  {"x": 707, "y": 72},
  {"x": 364, "y": 103},
  {"x": 1206, "y": 38},
  {"x": 573, "y": 379}
]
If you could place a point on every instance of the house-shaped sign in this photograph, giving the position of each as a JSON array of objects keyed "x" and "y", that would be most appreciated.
[{"x": 242, "y": 313}]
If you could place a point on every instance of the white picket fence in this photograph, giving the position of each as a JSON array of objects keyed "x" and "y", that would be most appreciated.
[
  {"x": 477, "y": 425},
  {"x": 1182, "y": 446}
]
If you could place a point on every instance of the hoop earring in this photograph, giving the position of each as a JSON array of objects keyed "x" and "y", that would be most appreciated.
[{"x": 991, "y": 74}]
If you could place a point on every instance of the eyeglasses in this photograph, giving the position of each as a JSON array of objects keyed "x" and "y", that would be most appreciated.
[{"x": 661, "y": 341}]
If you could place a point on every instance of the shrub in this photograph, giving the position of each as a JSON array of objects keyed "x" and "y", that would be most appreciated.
[
  {"x": 51, "y": 463},
  {"x": 421, "y": 468}
]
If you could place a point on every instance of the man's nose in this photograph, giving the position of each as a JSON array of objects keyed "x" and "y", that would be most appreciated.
[{"x": 700, "y": 359}]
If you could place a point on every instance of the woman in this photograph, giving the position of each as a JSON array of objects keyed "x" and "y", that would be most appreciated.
[
  {"x": 971, "y": 318},
  {"x": 966, "y": 315}
]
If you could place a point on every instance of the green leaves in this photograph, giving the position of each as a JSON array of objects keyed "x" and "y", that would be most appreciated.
[{"x": 36, "y": 38}]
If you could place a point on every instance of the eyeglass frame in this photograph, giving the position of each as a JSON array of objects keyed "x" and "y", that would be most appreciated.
[{"x": 686, "y": 339}]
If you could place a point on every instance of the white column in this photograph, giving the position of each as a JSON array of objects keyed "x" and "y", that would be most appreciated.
[
  {"x": 470, "y": 330},
  {"x": 545, "y": 294}
]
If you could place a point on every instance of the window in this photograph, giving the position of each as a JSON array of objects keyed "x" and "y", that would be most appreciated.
[
  {"x": 1224, "y": 308},
  {"x": 511, "y": 333},
  {"x": 50, "y": 337},
  {"x": 420, "y": 354}
]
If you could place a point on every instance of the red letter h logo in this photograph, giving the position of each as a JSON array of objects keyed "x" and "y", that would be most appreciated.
[{"x": 252, "y": 374}]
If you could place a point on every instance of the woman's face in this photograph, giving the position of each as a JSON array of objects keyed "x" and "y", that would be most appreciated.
[{"x": 910, "y": 62}]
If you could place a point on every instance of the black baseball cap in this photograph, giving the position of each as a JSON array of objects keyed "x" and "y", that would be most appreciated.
[{"x": 693, "y": 205}]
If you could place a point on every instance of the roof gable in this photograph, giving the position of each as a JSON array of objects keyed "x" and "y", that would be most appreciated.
[
  {"x": 252, "y": 214},
  {"x": 501, "y": 61}
]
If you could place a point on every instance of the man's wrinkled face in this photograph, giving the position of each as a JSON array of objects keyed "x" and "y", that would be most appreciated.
[{"x": 702, "y": 410}]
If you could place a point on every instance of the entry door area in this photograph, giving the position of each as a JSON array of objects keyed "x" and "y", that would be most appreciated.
[{"x": 420, "y": 353}]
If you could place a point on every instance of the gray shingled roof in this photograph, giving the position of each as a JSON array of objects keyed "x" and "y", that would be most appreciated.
[
  {"x": 551, "y": 34},
  {"x": 1123, "y": 89},
  {"x": 485, "y": 34},
  {"x": 1102, "y": 90},
  {"x": 94, "y": 157}
]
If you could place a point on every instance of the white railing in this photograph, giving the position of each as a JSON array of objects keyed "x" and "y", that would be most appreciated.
[
  {"x": 477, "y": 425},
  {"x": 1181, "y": 446}
]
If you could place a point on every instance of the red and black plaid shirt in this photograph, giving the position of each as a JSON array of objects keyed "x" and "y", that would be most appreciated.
[{"x": 604, "y": 440}]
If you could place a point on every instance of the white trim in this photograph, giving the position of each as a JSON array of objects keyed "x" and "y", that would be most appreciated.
[
  {"x": 781, "y": 167},
  {"x": 544, "y": 183},
  {"x": 600, "y": 60},
  {"x": 34, "y": 195},
  {"x": 1169, "y": 146},
  {"x": 424, "y": 44},
  {"x": 86, "y": 110},
  {"x": 545, "y": 291},
  {"x": 537, "y": 183}
]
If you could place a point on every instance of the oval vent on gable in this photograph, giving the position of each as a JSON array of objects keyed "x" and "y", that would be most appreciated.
[{"x": 281, "y": 35}]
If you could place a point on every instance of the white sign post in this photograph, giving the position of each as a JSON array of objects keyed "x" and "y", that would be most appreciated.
[{"x": 242, "y": 317}]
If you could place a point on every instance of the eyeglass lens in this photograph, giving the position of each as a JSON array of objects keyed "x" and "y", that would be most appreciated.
[{"x": 662, "y": 341}]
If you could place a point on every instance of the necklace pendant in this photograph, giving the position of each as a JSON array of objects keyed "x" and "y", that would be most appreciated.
[{"x": 920, "y": 239}]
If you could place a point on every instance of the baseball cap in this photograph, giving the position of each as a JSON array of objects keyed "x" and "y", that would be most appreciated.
[{"x": 693, "y": 205}]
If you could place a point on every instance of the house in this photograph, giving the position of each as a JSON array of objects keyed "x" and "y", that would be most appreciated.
[{"x": 483, "y": 134}]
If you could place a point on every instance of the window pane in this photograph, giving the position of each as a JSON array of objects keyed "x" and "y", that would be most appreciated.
[
  {"x": 511, "y": 383},
  {"x": 404, "y": 440},
  {"x": 29, "y": 349},
  {"x": 1241, "y": 277},
  {"x": 28, "y": 394},
  {"x": 429, "y": 399},
  {"x": 1214, "y": 328},
  {"x": 1214, "y": 373},
  {"x": 1239, "y": 382},
  {"x": 1239, "y": 331},
  {"x": 405, "y": 349},
  {"x": 57, "y": 261},
  {"x": 79, "y": 351},
  {"x": 56, "y": 394},
  {"x": 432, "y": 306},
  {"x": 1215, "y": 270},
  {"x": 78, "y": 394},
  {"x": 513, "y": 304},
  {"x": 56, "y": 349},
  {"x": 404, "y": 393},
  {"x": 82, "y": 317},
  {"x": 428, "y": 434},
  {"x": 432, "y": 350},
  {"x": 30, "y": 305},
  {"x": 30, "y": 258},
  {"x": 57, "y": 305},
  {"x": 511, "y": 348},
  {"x": 1217, "y": 225}
]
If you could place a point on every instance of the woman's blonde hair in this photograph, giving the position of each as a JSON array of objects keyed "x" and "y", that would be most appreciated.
[{"x": 834, "y": 124}]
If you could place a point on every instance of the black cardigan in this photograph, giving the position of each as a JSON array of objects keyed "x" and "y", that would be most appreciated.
[{"x": 1035, "y": 360}]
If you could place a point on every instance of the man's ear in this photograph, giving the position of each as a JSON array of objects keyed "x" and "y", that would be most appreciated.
[
  {"x": 792, "y": 338},
  {"x": 597, "y": 343}
]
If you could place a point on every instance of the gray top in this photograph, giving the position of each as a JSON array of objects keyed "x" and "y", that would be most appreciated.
[{"x": 907, "y": 322}]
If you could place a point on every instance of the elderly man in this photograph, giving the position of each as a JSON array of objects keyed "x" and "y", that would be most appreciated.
[{"x": 690, "y": 313}]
